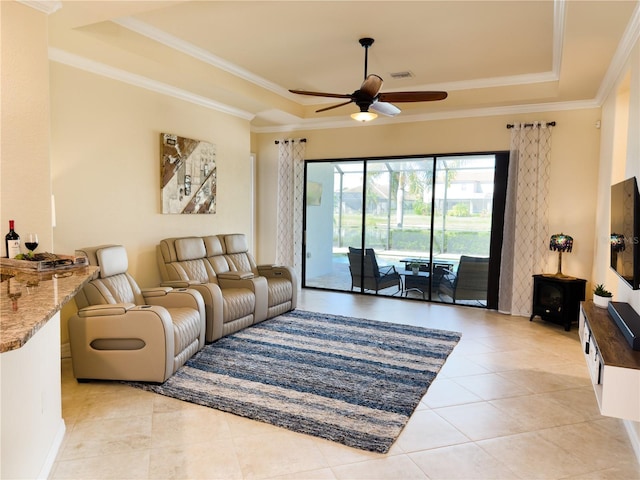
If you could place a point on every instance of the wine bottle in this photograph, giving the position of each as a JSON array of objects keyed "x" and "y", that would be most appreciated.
[{"x": 12, "y": 242}]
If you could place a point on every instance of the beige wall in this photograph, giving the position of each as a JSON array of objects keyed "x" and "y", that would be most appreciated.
[
  {"x": 574, "y": 166},
  {"x": 31, "y": 426},
  {"x": 106, "y": 168},
  {"x": 619, "y": 159},
  {"x": 25, "y": 180}
]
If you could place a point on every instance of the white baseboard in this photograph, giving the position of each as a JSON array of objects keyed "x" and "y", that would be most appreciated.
[
  {"x": 65, "y": 350},
  {"x": 634, "y": 436}
]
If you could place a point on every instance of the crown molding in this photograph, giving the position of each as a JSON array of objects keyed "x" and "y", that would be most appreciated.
[
  {"x": 621, "y": 56},
  {"x": 315, "y": 124},
  {"x": 45, "y": 6},
  {"x": 491, "y": 82},
  {"x": 619, "y": 60},
  {"x": 143, "y": 28},
  {"x": 559, "y": 11},
  {"x": 198, "y": 53},
  {"x": 82, "y": 63},
  {"x": 97, "y": 68}
]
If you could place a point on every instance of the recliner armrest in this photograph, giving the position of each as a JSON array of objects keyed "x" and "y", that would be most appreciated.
[
  {"x": 105, "y": 310},
  {"x": 276, "y": 271},
  {"x": 176, "y": 297},
  {"x": 235, "y": 275},
  {"x": 155, "y": 291},
  {"x": 180, "y": 283}
]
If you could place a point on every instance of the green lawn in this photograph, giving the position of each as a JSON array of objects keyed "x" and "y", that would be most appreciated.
[{"x": 462, "y": 235}]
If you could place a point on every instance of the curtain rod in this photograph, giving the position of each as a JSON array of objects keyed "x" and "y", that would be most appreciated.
[
  {"x": 549, "y": 124},
  {"x": 303, "y": 140}
]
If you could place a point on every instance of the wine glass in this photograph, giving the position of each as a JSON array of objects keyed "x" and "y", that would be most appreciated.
[
  {"x": 31, "y": 242},
  {"x": 14, "y": 289}
]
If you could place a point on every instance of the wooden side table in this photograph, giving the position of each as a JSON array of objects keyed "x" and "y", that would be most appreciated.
[{"x": 557, "y": 299}]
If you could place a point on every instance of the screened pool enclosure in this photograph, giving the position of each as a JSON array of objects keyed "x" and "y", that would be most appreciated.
[{"x": 415, "y": 226}]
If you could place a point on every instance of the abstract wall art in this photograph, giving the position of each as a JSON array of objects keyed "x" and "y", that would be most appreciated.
[{"x": 188, "y": 175}]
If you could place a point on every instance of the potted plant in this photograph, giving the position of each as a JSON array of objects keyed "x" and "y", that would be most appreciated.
[
  {"x": 415, "y": 267},
  {"x": 601, "y": 296}
]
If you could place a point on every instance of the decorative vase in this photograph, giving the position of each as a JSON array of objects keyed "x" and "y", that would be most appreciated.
[{"x": 602, "y": 302}]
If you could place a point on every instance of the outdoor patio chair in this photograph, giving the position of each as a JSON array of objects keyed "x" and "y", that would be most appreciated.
[
  {"x": 469, "y": 282},
  {"x": 366, "y": 274}
]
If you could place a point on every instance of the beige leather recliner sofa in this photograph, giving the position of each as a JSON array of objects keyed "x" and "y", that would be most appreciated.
[
  {"x": 123, "y": 332},
  {"x": 238, "y": 293},
  {"x": 232, "y": 302},
  {"x": 282, "y": 282}
]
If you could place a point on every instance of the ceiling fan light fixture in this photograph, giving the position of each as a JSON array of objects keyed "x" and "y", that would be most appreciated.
[
  {"x": 369, "y": 95},
  {"x": 364, "y": 116}
]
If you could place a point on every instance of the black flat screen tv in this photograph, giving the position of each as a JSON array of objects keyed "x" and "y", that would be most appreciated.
[{"x": 625, "y": 231}]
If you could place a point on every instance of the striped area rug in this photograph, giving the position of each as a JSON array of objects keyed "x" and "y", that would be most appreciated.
[{"x": 349, "y": 380}]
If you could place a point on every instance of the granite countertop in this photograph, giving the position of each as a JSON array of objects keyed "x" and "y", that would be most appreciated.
[{"x": 41, "y": 296}]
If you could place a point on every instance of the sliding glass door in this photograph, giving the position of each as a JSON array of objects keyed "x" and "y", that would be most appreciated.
[
  {"x": 416, "y": 227},
  {"x": 333, "y": 221}
]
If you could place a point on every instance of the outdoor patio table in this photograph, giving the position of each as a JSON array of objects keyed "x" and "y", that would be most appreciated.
[{"x": 419, "y": 283}]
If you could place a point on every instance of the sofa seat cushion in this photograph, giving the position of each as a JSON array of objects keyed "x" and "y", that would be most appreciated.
[
  {"x": 237, "y": 303},
  {"x": 186, "y": 326}
]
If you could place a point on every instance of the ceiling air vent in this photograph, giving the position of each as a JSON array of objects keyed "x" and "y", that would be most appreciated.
[{"x": 405, "y": 74}]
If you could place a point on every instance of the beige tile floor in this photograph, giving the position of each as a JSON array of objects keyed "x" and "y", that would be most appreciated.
[{"x": 513, "y": 401}]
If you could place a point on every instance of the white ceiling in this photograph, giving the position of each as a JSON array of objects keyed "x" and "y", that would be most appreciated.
[{"x": 490, "y": 56}]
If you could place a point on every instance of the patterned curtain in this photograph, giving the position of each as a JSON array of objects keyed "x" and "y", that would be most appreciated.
[
  {"x": 290, "y": 203},
  {"x": 526, "y": 229}
]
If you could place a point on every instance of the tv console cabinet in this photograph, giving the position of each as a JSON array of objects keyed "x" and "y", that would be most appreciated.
[{"x": 613, "y": 365}]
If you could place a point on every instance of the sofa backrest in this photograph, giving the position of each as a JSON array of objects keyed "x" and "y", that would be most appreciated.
[
  {"x": 203, "y": 258},
  {"x": 184, "y": 259},
  {"x": 114, "y": 284},
  {"x": 237, "y": 253},
  {"x": 215, "y": 253}
]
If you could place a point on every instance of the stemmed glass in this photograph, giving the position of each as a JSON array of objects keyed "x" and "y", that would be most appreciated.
[{"x": 31, "y": 242}]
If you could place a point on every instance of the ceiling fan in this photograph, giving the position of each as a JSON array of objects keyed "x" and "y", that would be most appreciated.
[{"x": 369, "y": 95}]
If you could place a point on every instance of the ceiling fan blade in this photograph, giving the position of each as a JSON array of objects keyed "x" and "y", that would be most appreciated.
[
  {"x": 385, "y": 108},
  {"x": 334, "y": 106},
  {"x": 411, "y": 96},
  {"x": 321, "y": 94},
  {"x": 371, "y": 85}
]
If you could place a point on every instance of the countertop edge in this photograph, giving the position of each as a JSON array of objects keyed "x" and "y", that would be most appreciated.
[{"x": 12, "y": 341}]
